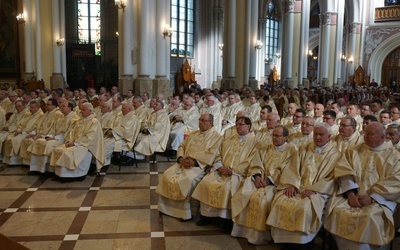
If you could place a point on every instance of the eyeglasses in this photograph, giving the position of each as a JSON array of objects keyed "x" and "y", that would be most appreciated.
[{"x": 345, "y": 125}]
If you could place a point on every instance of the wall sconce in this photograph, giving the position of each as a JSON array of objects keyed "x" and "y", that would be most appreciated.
[
  {"x": 278, "y": 55},
  {"x": 315, "y": 58},
  {"x": 310, "y": 53},
  {"x": 116, "y": 33},
  {"x": 258, "y": 44},
  {"x": 221, "y": 46},
  {"x": 120, "y": 4},
  {"x": 167, "y": 31},
  {"x": 21, "y": 18},
  {"x": 60, "y": 42},
  {"x": 343, "y": 58},
  {"x": 351, "y": 59}
]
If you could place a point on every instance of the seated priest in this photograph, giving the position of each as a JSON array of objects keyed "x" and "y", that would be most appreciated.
[
  {"x": 274, "y": 165},
  {"x": 47, "y": 127},
  {"x": 83, "y": 141},
  {"x": 227, "y": 175},
  {"x": 297, "y": 210},
  {"x": 27, "y": 126},
  {"x": 183, "y": 119},
  {"x": 195, "y": 154},
  {"x": 41, "y": 148},
  {"x": 360, "y": 216},
  {"x": 123, "y": 132},
  {"x": 154, "y": 135}
]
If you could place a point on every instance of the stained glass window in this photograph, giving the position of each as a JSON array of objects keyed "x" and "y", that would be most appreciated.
[
  {"x": 89, "y": 23},
  {"x": 182, "y": 23}
]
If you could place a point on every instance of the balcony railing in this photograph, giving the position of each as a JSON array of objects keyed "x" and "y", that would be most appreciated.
[{"x": 387, "y": 14}]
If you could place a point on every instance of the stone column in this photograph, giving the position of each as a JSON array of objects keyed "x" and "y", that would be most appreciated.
[
  {"x": 288, "y": 42},
  {"x": 260, "y": 74},
  {"x": 339, "y": 44},
  {"x": 353, "y": 52},
  {"x": 304, "y": 36},
  {"x": 230, "y": 46},
  {"x": 161, "y": 83},
  {"x": 28, "y": 49},
  {"x": 57, "y": 78},
  {"x": 144, "y": 82},
  {"x": 38, "y": 40},
  {"x": 125, "y": 21},
  {"x": 254, "y": 53},
  {"x": 218, "y": 31},
  {"x": 327, "y": 48}
]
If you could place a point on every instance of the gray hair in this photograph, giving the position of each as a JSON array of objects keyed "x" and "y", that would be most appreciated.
[{"x": 324, "y": 125}]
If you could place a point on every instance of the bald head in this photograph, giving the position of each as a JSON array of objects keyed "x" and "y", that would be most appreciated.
[{"x": 374, "y": 134}]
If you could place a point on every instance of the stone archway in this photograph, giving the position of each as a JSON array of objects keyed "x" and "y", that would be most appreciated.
[{"x": 375, "y": 62}]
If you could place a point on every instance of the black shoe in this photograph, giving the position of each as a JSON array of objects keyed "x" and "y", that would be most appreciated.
[
  {"x": 203, "y": 221},
  {"x": 43, "y": 176},
  {"x": 227, "y": 226},
  {"x": 55, "y": 178},
  {"x": 33, "y": 173},
  {"x": 72, "y": 179},
  {"x": 184, "y": 220},
  {"x": 127, "y": 161}
]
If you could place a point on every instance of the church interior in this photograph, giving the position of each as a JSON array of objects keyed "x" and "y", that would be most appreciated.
[{"x": 158, "y": 46}]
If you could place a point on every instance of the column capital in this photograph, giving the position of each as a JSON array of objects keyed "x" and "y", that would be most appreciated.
[
  {"x": 354, "y": 28},
  {"x": 329, "y": 18},
  {"x": 288, "y": 6}
]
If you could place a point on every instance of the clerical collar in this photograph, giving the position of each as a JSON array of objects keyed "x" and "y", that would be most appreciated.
[
  {"x": 397, "y": 144},
  {"x": 243, "y": 137},
  {"x": 88, "y": 117},
  {"x": 378, "y": 148},
  {"x": 279, "y": 148},
  {"x": 320, "y": 149}
]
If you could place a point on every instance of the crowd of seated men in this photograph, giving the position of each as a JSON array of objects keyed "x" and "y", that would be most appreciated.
[{"x": 267, "y": 165}]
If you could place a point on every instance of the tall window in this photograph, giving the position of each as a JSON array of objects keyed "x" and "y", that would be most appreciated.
[
  {"x": 271, "y": 38},
  {"x": 89, "y": 23},
  {"x": 182, "y": 22},
  {"x": 271, "y": 32}
]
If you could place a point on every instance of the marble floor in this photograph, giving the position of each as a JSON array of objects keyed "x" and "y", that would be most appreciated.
[{"x": 113, "y": 210}]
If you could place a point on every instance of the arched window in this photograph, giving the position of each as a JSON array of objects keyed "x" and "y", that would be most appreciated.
[
  {"x": 89, "y": 24},
  {"x": 182, "y": 23}
]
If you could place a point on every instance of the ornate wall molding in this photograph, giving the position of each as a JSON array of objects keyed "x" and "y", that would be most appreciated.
[
  {"x": 218, "y": 14},
  {"x": 374, "y": 37}
]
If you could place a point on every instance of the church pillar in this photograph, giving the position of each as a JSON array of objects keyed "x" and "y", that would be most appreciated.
[
  {"x": 125, "y": 53},
  {"x": 57, "y": 78},
  {"x": 144, "y": 82},
  {"x": 254, "y": 53},
  {"x": 353, "y": 51},
  {"x": 339, "y": 44},
  {"x": 229, "y": 48},
  {"x": 327, "y": 49},
  {"x": 287, "y": 51},
  {"x": 38, "y": 41},
  {"x": 218, "y": 30},
  {"x": 161, "y": 83},
  {"x": 28, "y": 49},
  {"x": 304, "y": 36}
]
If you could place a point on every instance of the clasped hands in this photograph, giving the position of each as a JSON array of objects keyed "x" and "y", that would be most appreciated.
[
  {"x": 292, "y": 191},
  {"x": 69, "y": 144},
  {"x": 358, "y": 200},
  {"x": 187, "y": 162},
  {"x": 260, "y": 182},
  {"x": 224, "y": 171}
]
